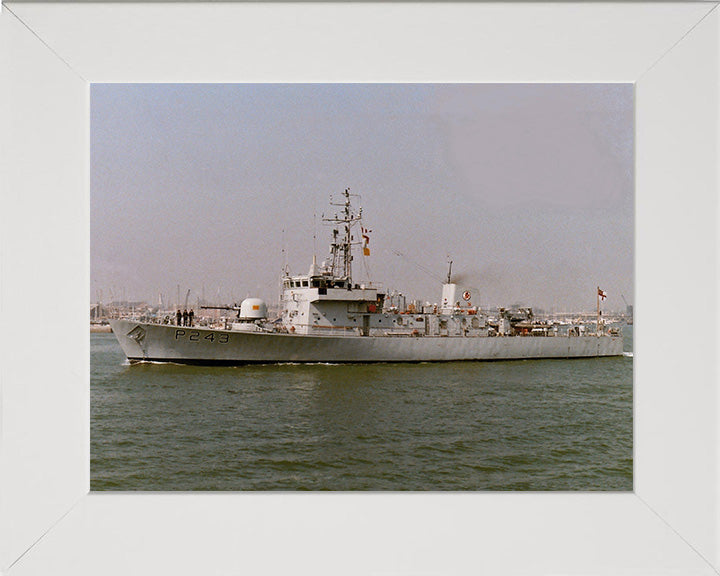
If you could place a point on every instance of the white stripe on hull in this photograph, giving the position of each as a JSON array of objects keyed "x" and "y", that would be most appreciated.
[{"x": 159, "y": 342}]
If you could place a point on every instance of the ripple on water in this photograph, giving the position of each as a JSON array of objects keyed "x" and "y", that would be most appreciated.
[{"x": 533, "y": 425}]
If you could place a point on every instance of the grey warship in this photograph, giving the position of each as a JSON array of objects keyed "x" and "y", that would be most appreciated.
[{"x": 326, "y": 317}]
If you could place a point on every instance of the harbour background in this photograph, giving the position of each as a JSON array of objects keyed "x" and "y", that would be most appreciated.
[
  {"x": 528, "y": 188},
  {"x": 518, "y": 425}
]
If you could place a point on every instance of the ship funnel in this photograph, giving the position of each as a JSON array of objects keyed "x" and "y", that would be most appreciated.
[{"x": 449, "y": 294}]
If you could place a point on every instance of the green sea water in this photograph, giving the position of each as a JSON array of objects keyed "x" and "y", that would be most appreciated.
[{"x": 519, "y": 425}]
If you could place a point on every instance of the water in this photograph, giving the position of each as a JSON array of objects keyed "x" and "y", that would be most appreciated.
[{"x": 521, "y": 425}]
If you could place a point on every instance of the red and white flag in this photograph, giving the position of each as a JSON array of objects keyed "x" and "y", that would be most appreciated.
[
  {"x": 366, "y": 240},
  {"x": 602, "y": 294}
]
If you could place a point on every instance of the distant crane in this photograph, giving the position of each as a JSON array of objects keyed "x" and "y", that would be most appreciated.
[{"x": 628, "y": 311}]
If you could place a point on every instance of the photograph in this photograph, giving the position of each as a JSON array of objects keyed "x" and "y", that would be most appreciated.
[{"x": 362, "y": 287}]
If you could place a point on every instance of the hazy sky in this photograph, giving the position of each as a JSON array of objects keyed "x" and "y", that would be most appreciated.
[{"x": 527, "y": 187}]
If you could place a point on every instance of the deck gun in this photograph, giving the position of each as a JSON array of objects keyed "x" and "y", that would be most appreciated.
[{"x": 233, "y": 307}]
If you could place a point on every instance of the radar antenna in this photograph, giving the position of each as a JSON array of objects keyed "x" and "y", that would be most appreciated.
[{"x": 341, "y": 244}]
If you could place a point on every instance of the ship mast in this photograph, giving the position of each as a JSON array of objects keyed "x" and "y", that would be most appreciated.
[{"x": 341, "y": 245}]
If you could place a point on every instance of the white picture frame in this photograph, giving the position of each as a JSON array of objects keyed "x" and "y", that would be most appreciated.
[{"x": 50, "y": 523}]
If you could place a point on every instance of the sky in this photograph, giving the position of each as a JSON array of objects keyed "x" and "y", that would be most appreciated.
[{"x": 212, "y": 188}]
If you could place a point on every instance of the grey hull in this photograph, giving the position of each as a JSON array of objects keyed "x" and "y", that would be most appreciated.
[{"x": 164, "y": 343}]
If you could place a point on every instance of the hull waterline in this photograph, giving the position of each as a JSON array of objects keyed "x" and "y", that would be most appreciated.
[{"x": 167, "y": 343}]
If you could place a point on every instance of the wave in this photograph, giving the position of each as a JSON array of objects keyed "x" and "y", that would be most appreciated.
[
  {"x": 628, "y": 354},
  {"x": 159, "y": 363}
]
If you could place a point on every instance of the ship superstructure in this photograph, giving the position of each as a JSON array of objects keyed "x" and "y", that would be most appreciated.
[
  {"x": 326, "y": 301},
  {"x": 327, "y": 317}
]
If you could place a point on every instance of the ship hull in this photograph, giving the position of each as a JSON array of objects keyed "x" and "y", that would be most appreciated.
[{"x": 165, "y": 343}]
